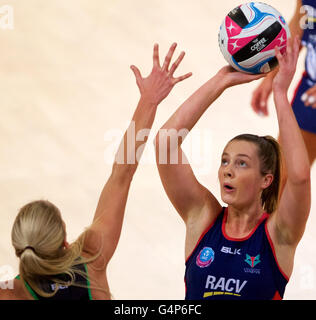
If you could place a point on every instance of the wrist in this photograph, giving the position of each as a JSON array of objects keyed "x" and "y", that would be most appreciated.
[
  {"x": 221, "y": 82},
  {"x": 148, "y": 102},
  {"x": 280, "y": 96},
  {"x": 280, "y": 92}
]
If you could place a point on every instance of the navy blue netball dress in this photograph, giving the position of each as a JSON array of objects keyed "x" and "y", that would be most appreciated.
[
  {"x": 306, "y": 116},
  {"x": 221, "y": 267}
]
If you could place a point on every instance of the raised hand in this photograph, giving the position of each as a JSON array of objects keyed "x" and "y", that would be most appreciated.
[
  {"x": 233, "y": 77},
  {"x": 160, "y": 81},
  {"x": 287, "y": 66}
]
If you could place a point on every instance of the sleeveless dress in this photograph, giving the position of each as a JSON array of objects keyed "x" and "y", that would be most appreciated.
[{"x": 221, "y": 267}]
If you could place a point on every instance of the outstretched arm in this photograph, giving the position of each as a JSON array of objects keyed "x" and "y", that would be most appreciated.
[
  {"x": 109, "y": 214},
  {"x": 291, "y": 216},
  {"x": 194, "y": 203}
]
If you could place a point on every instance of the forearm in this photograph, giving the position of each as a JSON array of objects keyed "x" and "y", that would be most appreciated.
[
  {"x": 293, "y": 146},
  {"x": 134, "y": 140},
  {"x": 188, "y": 114}
]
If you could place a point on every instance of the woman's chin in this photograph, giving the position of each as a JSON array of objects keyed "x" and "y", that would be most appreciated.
[{"x": 227, "y": 199}]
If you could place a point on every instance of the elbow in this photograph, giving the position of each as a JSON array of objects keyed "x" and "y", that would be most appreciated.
[
  {"x": 306, "y": 178},
  {"x": 302, "y": 177}
]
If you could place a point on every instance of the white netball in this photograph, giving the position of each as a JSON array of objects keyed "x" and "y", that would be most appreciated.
[{"x": 249, "y": 34}]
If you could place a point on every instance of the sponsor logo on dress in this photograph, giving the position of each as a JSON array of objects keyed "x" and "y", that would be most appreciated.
[
  {"x": 205, "y": 257},
  {"x": 252, "y": 261},
  {"x": 223, "y": 286},
  {"x": 229, "y": 250}
]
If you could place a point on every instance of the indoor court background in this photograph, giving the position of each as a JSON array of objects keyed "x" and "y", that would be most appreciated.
[{"x": 67, "y": 96}]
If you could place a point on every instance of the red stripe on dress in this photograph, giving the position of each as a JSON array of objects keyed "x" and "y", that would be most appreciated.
[
  {"x": 277, "y": 296},
  {"x": 273, "y": 251},
  {"x": 263, "y": 217}
]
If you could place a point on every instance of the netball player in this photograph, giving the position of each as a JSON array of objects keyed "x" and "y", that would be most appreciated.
[
  {"x": 304, "y": 102},
  {"x": 246, "y": 249},
  {"x": 49, "y": 267}
]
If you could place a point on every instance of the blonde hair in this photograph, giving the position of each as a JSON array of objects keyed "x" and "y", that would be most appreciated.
[{"x": 38, "y": 236}]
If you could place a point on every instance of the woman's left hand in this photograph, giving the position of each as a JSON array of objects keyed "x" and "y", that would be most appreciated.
[
  {"x": 287, "y": 66},
  {"x": 161, "y": 80}
]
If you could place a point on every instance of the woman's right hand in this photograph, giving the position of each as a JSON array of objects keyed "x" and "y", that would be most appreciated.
[{"x": 231, "y": 77}]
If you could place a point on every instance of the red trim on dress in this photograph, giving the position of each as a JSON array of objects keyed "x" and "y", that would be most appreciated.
[
  {"x": 202, "y": 235},
  {"x": 263, "y": 217},
  {"x": 277, "y": 296},
  {"x": 273, "y": 251}
]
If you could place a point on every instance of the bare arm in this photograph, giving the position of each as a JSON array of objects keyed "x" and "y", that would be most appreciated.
[
  {"x": 195, "y": 204},
  {"x": 108, "y": 218},
  {"x": 292, "y": 213}
]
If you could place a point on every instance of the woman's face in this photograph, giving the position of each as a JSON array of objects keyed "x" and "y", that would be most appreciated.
[{"x": 241, "y": 182}]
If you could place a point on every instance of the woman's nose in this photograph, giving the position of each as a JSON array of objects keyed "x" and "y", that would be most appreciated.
[{"x": 228, "y": 172}]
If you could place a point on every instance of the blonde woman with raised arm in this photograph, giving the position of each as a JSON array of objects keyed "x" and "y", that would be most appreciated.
[{"x": 49, "y": 267}]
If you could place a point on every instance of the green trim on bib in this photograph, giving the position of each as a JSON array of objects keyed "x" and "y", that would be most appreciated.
[{"x": 30, "y": 290}]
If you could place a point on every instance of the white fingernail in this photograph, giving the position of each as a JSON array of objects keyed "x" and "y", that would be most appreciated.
[
  {"x": 261, "y": 114},
  {"x": 304, "y": 97},
  {"x": 311, "y": 100}
]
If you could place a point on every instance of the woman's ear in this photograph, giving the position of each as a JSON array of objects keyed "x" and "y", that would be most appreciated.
[
  {"x": 267, "y": 180},
  {"x": 66, "y": 244}
]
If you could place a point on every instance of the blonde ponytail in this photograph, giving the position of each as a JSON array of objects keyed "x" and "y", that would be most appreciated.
[{"x": 38, "y": 236}]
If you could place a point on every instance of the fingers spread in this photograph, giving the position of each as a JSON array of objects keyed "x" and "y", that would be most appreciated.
[
  {"x": 176, "y": 64},
  {"x": 176, "y": 80},
  {"x": 156, "y": 55},
  {"x": 136, "y": 72},
  {"x": 168, "y": 57}
]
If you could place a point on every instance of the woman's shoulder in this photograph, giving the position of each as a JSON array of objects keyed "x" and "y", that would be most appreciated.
[{"x": 13, "y": 290}]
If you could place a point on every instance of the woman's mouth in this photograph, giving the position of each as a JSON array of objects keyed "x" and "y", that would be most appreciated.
[{"x": 228, "y": 188}]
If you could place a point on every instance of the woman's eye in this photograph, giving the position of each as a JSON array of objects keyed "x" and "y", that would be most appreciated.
[
  {"x": 224, "y": 162},
  {"x": 242, "y": 163}
]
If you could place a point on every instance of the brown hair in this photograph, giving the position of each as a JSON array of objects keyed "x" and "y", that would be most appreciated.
[{"x": 269, "y": 153}]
